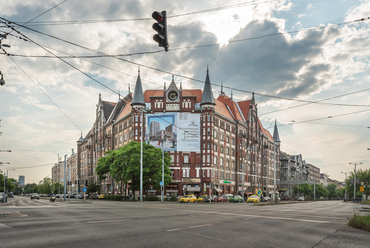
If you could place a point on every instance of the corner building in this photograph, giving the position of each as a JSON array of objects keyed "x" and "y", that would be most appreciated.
[{"x": 217, "y": 146}]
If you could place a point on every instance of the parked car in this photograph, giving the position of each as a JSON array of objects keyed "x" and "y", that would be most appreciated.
[
  {"x": 94, "y": 197},
  {"x": 35, "y": 196},
  {"x": 208, "y": 198},
  {"x": 254, "y": 199},
  {"x": 266, "y": 199},
  {"x": 188, "y": 198},
  {"x": 101, "y": 196},
  {"x": 3, "y": 197},
  {"x": 236, "y": 199},
  {"x": 301, "y": 198},
  {"x": 80, "y": 196},
  {"x": 221, "y": 199},
  {"x": 201, "y": 198},
  {"x": 11, "y": 194}
]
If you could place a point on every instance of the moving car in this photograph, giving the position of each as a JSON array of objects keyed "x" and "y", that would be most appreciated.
[
  {"x": 236, "y": 199},
  {"x": 254, "y": 199},
  {"x": 301, "y": 198},
  {"x": 35, "y": 196},
  {"x": 3, "y": 197},
  {"x": 188, "y": 198}
]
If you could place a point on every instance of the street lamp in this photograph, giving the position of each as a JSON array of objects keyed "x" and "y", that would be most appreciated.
[
  {"x": 345, "y": 189},
  {"x": 354, "y": 186}
]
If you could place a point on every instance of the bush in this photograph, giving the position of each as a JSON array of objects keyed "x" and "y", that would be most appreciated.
[
  {"x": 360, "y": 222},
  {"x": 153, "y": 198}
]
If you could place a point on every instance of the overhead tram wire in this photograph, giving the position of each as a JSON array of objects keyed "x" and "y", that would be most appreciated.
[
  {"x": 192, "y": 79},
  {"x": 293, "y": 122},
  {"x": 238, "y": 5},
  {"x": 56, "y": 105},
  {"x": 325, "y": 99}
]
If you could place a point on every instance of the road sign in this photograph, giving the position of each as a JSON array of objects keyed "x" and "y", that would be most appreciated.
[
  {"x": 84, "y": 189},
  {"x": 227, "y": 181},
  {"x": 362, "y": 188},
  {"x": 161, "y": 183},
  {"x": 259, "y": 192}
]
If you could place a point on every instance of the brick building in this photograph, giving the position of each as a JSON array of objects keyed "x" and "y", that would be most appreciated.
[{"x": 217, "y": 145}]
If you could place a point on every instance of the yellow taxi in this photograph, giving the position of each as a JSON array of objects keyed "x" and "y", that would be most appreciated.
[
  {"x": 188, "y": 198},
  {"x": 254, "y": 199},
  {"x": 101, "y": 196},
  {"x": 201, "y": 198}
]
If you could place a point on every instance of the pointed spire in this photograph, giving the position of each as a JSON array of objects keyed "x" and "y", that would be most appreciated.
[
  {"x": 138, "y": 92},
  {"x": 222, "y": 89},
  {"x": 232, "y": 96},
  {"x": 207, "y": 91},
  {"x": 80, "y": 139},
  {"x": 276, "y": 134}
]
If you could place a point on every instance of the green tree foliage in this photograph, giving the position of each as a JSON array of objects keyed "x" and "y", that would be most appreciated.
[
  {"x": 363, "y": 178},
  {"x": 332, "y": 190},
  {"x": 45, "y": 186},
  {"x": 92, "y": 187},
  {"x": 124, "y": 166},
  {"x": 9, "y": 184},
  {"x": 30, "y": 188},
  {"x": 58, "y": 188}
]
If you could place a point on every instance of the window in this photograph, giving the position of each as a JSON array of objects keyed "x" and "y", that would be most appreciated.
[
  {"x": 232, "y": 152},
  {"x": 208, "y": 118},
  {"x": 208, "y": 145},
  {"x": 221, "y": 161},
  {"x": 222, "y": 137},
  {"x": 221, "y": 149},
  {"x": 125, "y": 136},
  {"x": 215, "y": 135},
  {"x": 120, "y": 139},
  {"x": 172, "y": 158},
  {"x": 227, "y": 150},
  {"x": 232, "y": 141},
  {"x": 215, "y": 160},
  {"x": 186, "y": 159},
  {"x": 227, "y": 139},
  {"x": 215, "y": 148},
  {"x": 208, "y": 131},
  {"x": 208, "y": 158}
]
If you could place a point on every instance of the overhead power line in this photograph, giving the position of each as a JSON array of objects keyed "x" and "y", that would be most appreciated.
[{"x": 80, "y": 22}]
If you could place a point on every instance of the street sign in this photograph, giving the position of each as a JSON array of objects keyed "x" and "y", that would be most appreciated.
[
  {"x": 362, "y": 188},
  {"x": 84, "y": 189},
  {"x": 227, "y": 181},
  {"x": 161, "y": 183},
  {"x": 259, "y": 192}
]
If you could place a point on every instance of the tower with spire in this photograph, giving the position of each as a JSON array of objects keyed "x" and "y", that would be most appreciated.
[{"x": 138, "y": 105}]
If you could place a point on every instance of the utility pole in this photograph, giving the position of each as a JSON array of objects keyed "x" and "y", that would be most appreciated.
[
  {"x": 354, "y": 187},
  {"x": 345, "y": 189}
]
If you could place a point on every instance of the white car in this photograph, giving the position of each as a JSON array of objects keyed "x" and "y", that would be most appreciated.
[
  {"x": 3, "y": 197},
  {"x": 301, "y": 198}
]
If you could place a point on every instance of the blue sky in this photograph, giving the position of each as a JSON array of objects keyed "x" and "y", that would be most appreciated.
[{"x": 289, "y": 53}]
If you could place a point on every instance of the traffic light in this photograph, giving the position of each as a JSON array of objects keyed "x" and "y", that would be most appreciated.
[
  {"x": 86, "y": 182},
  {"x": 161, "y": 27}
]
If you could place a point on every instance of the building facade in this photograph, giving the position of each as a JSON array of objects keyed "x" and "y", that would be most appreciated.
[{"x": 217, "y": 145}]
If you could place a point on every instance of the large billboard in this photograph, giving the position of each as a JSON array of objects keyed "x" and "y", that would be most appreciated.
[{"x": 174, "y": 131}]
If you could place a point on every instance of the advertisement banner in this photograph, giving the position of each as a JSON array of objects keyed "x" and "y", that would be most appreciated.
[{"x": 174, "y": 131}]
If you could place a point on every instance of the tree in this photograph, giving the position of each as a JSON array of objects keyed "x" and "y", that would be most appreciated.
[
  {"x": 92, "y": 187},
  {"x": 102, "y": 169},
  {"x": 9, "y": 184},
  {"x": 45, "y": 186},
  {"x": 332, "y": 190},
  {"x": 124, "y": 165},
  {"x": 57, "y": 188},
  {"x": 363, "y": 179},
  {"x": 30, "y": 188}
]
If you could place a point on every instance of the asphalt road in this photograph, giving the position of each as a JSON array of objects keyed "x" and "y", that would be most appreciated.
[{"x": 39, "y": 223}]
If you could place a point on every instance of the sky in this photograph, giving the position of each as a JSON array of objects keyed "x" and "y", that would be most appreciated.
[{"x": 306, "y": 61}]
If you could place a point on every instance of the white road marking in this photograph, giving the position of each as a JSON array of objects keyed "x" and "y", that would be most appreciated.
[
  {"x": 190, "y": 227},
  {"x": 106, "y": 221}
]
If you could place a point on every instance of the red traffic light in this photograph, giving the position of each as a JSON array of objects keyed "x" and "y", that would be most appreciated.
[{"x": 158, "y": 16}]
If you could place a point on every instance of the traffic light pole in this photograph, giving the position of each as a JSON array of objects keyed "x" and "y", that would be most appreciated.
[{"x": 65, "y": 176}]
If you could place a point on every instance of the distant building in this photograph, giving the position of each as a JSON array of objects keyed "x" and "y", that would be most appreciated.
[
  {"x": 21, "y": 181},
  {"x": 314, "y": 173}
]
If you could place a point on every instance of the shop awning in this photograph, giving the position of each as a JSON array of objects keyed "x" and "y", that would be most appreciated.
[
  {"x": 193, "y": 189},
  {"x": 218, "y": 190}
]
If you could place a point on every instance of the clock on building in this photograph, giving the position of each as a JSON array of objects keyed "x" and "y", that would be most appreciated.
[{"x": 173, "y": 95}]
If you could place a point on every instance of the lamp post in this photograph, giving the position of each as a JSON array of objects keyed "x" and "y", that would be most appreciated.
[
  {"x": 354, "y": 185},
  {"x": 345, "y": 189},
  {"x": 1, "y": 163}
]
